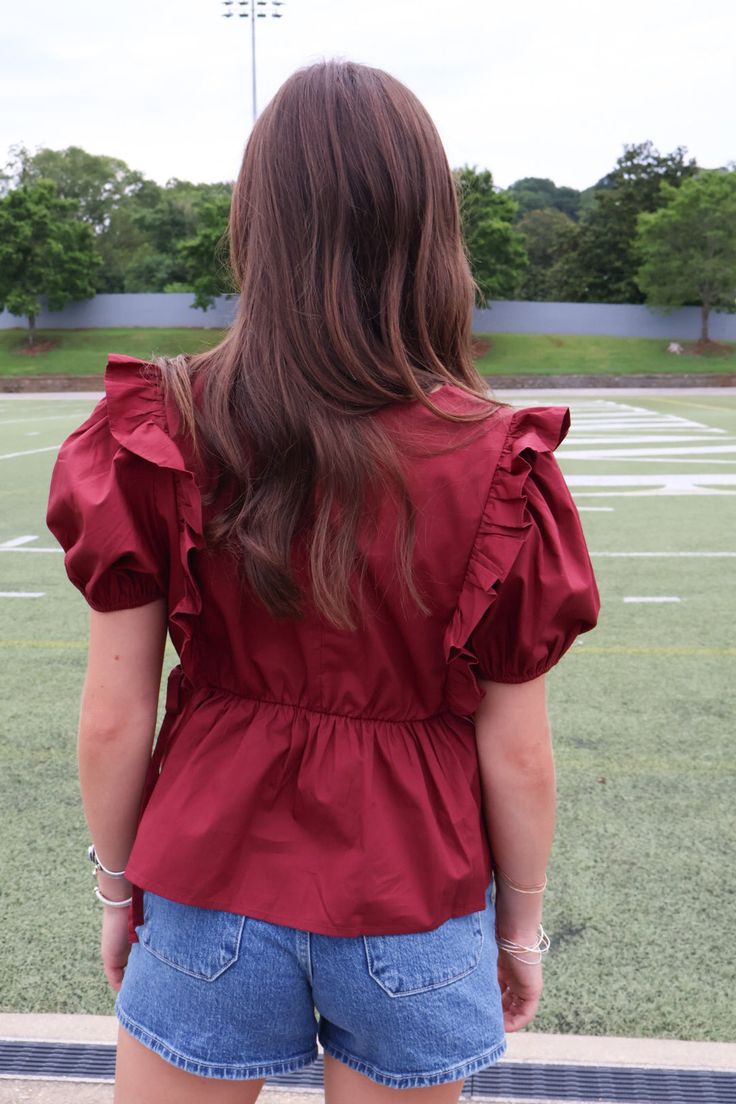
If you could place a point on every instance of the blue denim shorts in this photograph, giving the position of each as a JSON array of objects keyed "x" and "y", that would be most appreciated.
[{"x": 223, "y": 995}]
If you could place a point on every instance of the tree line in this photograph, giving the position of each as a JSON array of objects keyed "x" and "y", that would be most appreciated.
[{"x": 657, "y": 228}]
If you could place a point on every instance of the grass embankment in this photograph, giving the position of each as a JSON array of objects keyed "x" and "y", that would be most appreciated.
[
  {"x": 576, "y": 354},
  {"x": 84, "y": 352}
]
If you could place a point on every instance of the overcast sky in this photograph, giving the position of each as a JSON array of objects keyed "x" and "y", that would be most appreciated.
[{"x": 524, "y": 89}]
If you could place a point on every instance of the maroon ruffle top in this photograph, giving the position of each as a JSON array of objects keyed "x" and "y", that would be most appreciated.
[{"x": 305, "y": 775}]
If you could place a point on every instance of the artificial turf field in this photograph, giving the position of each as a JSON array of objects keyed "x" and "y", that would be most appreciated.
[{"x": 642, "y": 881}]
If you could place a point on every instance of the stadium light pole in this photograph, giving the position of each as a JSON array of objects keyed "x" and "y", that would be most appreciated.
[{"x": 253, "y": 10}]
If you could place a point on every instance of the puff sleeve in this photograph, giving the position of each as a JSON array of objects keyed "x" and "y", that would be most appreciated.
[
  {"x": 529, "y": 588},
  {"x": 106, "y": 510},
  {"x": 549, "y": 596}
]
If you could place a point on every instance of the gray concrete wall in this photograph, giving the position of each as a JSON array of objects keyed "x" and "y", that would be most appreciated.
[
  {"x": 596, "y": 319},
  {"x": 601, "y": 320},
  {"x": 162, "y": 309}
]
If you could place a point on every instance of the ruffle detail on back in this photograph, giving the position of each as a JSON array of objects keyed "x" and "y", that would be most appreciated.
[
  {"x": 502, "y": 530},
  {"x": 141, "y": 421}
]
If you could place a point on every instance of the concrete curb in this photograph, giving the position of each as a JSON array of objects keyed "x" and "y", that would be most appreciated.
[
  {"x": 26, "y": 385},
  {"x": 524, "y": 1046},
  {"x": 532, "y": 1047},
  {"x": 70, "y": 1092},
  {"x": 523, "y": 393}
]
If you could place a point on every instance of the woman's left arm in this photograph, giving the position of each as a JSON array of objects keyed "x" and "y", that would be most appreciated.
[{"x": 117, "y": 725}]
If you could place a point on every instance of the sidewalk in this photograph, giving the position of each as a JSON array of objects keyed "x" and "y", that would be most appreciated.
[
  {"x": 54, "y": 1092},
  {"x": 524, "y": 1047}
]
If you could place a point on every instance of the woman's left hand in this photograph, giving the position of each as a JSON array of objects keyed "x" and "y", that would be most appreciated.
[{"x": 115, "y": 944}]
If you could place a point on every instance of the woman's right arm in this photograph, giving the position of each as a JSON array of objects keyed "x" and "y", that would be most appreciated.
[{"x": 518, "y": 784}]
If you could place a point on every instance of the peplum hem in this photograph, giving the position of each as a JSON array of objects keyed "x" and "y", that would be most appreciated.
[
  {"x": 503, "y": 528},
  {"x": 141, "y": 422},
  {"x": 341, "y": 810}
]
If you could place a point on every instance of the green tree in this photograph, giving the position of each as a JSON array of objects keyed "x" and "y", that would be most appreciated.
[
  {"x": 688, "y": 247},
  {"x": 140, "y": 247},
  {"x": 205, "y": 256},
  {"x": 97, "y": 183},
  {"x": 495, "y": 248},
  {"x": 161, "y": 219},
  {"x": 138, "y": 223},
  {"x": 602, "y": 267},
  {"x": 549, "y": 235},
  {"x": 535, "y": 193},
  {"x": 45, "y": 250}
]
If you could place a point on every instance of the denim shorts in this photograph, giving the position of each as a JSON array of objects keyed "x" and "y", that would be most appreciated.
[{"x": 224, "y": 995}]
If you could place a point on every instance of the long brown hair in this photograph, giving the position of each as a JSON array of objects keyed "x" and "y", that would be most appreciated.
[{"x": 355, "y": 292}]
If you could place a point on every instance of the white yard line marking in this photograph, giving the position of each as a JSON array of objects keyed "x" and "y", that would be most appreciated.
[
  {"x": 642, "y": 453},
  {"x": 30, "y": 452},
  {"x": 661, "y": 459},
  {"x": 669, "y": 460},
  {"x": 704, "y": 454},
  {"x": 44, "y": 418},
  {"x": 634, "y": 420},
  {"x": 22, "y": 593},
  {"x": 576, "y": 440},
  {"x": 49, "y": 396},
  {"x": 33, "y": 433},
  {"x": 649, "y": 427},
  {"x": 682, "y": 395},
  {"x": 702, "y": 483},
  {"x": 658, "y": 555},
  {"x": 609, "y": 416},
  {"x": 702, "y": 491},
  {"x": 662, "y": 432},
  {"x": 16, "y": 541},
  {"x": 661, "y": 649},
  {"x": 650, "y": 598},
  {"x": 55, "y": 550}
]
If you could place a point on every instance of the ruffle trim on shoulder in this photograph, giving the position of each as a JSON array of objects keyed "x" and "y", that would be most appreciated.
[
  {"x": 502, "y": 530},
  {"x": 141, "y": 422}
]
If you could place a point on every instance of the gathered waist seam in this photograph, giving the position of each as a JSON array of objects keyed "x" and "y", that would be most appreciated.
[{"x": 313, "y": 709}]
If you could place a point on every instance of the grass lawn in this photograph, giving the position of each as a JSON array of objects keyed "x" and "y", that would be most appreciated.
[
  {"x": 550, "y": 355},
  {"x": 84, "y": 352}
]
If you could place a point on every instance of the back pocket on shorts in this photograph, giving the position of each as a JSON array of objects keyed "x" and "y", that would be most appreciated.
[
  {"x": 197, "y": 941},
  {"x": 415, "y": 963}
]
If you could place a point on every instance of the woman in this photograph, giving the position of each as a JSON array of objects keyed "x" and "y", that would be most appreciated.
[{"x": 366, "y": 566}]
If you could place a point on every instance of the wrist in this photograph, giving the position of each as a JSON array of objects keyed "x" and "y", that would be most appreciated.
[
  {"x": 526, "y": 936},
  {"x": 518, "y": 918},
  {"x": 115, "y": 889},
  {"x": 521, "y": 950}
]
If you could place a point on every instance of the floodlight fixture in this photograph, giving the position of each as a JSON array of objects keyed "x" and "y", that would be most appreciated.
[{"x": 252, "y": 10}]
